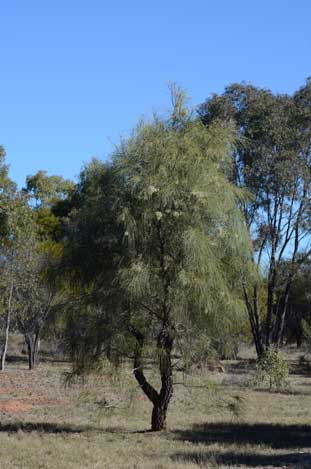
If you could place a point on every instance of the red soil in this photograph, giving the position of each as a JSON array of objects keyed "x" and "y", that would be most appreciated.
[{"x": 16, "y": 385}]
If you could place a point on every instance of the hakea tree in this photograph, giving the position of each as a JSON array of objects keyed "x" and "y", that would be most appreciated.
[
  {"x": 186, "y": 243},
  {"x": 158, "y": 245}
]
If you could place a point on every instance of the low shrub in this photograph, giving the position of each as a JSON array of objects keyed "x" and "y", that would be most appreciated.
[{"x": 272, "y": 369}]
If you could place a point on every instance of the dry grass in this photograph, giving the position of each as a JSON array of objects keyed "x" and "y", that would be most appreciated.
[{"x": 215, "y": 421}]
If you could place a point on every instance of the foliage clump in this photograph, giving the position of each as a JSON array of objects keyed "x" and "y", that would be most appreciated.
[{"x": 272, "y": 369}]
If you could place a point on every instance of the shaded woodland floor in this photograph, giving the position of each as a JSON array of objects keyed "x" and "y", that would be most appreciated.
[{"x": 215, "y": 420}]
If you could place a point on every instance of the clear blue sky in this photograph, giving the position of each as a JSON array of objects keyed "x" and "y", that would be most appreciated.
[{"x": 75, "y": 75}]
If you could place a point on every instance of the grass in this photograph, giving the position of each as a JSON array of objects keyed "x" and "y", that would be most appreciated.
[{"x": 216, "y": 420}]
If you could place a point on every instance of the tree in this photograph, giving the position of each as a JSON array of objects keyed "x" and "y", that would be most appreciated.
[
  {"x": 93, "y": 240},
  {"x": 26, "y": 296},
  {"x": 36, "y": 297},
  {"x": 48, "y": 197},
  {"x": 272, "y": 160},
  {"x": 45, "y": 190},
  {"x": 9, "y": 234},
  {"x": 17, "y": 225},
  {"x": 299, "y": 304},
  {"x": 184, "y": 244}
]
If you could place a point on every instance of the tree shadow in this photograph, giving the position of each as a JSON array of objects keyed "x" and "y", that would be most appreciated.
[
  {"x": 125, "y": 431},
  {"x": 299, "y": 368},
  {"x": 273, "y": 435},
  {"x": 241, "y": 367},
  {"x": 43, "y": 358},
  {"x": 48, "y": 427},
  {"x": 285, "y": 392},
  {"x": 43, "y": 427},
  {"x": 301, "y": 460},
  {"x": 16, "y": 359}
]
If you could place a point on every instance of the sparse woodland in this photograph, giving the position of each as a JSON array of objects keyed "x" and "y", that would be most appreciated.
[{"x": 174, "y": 279}]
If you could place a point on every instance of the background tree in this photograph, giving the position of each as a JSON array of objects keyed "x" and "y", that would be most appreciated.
[
  {"x": 36, "y": 297},
  {"x": 272, "y": 160},
  {"x": 46, "y": 190},
  {"x": 299, "y": 304},
  {"x": 93, "y": 252},
  {"x": 18, "y": 222}
]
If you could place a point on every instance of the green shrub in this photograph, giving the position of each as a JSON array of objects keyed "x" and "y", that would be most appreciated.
[{"x": 272, "y": 369}]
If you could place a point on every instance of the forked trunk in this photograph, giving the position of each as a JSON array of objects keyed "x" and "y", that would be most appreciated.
[
  {"x": 160, "y": 400},
  {"x": 253, "y": 315},
  {"x": 32, "y": 342}
]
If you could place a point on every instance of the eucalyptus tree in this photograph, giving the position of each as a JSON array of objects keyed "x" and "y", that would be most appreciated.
[
  {"x": 48, "y": 197},
  {"x": 35, "y": 295},
  {"x": 26, "y": 297},
  {"x": 11, "y": 224},
  {"x": 176, "y": 240},
  {"x": 298, "y": 317},
  {"x": 45, "y": 190},
  {"x": 272, "y": 160},
  {"x": 17, "y": 226}
]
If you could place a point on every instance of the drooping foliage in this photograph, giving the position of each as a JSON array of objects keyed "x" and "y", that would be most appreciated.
[{"x": 174, "y": 240}]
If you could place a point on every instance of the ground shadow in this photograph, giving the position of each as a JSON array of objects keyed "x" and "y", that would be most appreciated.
[
  {"x": 16, "y": 359},
  {"x": 303, "y": 460},
  {"x": 241, "y": 367},
  {"x": 276, "y": 436},
  {"x": 285, "y": 392},
  {"x": 300, "y": 369},
  {"x": 44, "y": 427},
  {"x": 43, "y": 358}
]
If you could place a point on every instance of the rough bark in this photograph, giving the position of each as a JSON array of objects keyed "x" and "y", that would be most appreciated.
[
  {"x": 160, "y": 400},
  {"x": 160, "y": 407}
]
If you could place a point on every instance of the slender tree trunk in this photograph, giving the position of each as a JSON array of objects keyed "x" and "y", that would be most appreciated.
[
  {"x": 280, "y": 323},
  {"x": 7, "y": 329},
  {"x": 271, "y": 286},
  {"x": 37, "y": 346},
  {"x": 253, "y": 315},
  {"x": 28, "y": 341},
  {"x": 6, "y": 340},
  {"x": 289, "y": 282}
]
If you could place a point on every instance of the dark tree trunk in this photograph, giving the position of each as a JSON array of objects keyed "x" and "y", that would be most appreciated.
[
  {"x": 299, "y": 338},
  {"x": 30, "y": 351},
  {"x": 32, "y": 342},
  {"x": 165, "y": 345},
  {"x": 253, "y": 315},
  {"x": 158, "y": 419},
  {"x": 282, "y": 313},
  {"x": 160, "y": 400},
  {"x": 269, "y": 329}
]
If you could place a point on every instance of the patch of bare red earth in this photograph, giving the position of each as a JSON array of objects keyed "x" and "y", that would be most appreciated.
[{"x": 21, "y": 391}]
